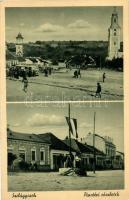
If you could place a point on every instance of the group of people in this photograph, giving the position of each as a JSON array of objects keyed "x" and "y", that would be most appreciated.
[
  {"x": 17, "y": 72},
  {"x": 47, "y": 71},
  {"x": 77, "y": 73}
]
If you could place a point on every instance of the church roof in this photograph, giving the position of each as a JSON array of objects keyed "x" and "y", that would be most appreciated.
[{"x": 19, "y": 36}]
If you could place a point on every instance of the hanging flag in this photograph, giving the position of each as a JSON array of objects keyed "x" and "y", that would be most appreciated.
[
  {"x": 69, "y": 124},
  {"x": 75, "y": 125},
  {"x": 72, "y": 123}
]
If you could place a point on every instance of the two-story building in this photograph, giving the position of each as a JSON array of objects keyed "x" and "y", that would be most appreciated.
[{"x": 103, "y": 144}]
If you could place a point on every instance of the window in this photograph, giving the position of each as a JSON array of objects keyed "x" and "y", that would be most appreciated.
[
  {"x": 22, "y": 155},
  {"x": 10, "y": 148},
  {"x": 114, "y": 33},
  {"x": 42, "y": 155},
  {"x": 33, "y": 155},
  {"x": 114, "y": 43}
]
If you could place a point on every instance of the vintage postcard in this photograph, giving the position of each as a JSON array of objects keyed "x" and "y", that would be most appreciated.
[
  {"x": 64, "y": 99},
  {"x": 64, "y": 53}
]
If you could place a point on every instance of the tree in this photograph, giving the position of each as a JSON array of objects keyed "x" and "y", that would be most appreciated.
[
  {"x": 11, "y": 158},
  {"x": 115, "y": 64}
]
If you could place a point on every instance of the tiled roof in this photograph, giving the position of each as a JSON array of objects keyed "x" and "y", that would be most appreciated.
[
  {"x": 97, "y": 151},
  {"x": 25, "y": 137},
  {"x": 55, "y": 142},
  {"x": 33, "y": 60},
  {"x": 73, "y": 144},
  {"x": 21, "y": 59},
  {"x": 10, "y": 55},
  {"x": 83, "y": 148},
  {"x": 78, "y": 146}
]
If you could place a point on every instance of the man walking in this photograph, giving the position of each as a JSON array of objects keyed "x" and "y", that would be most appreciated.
[
  {"x": 79, "y": 72},
  {"x": 98, "y": 91},
  {"x": 104, "y": 76},
  {"x": 25, "y": 82}
]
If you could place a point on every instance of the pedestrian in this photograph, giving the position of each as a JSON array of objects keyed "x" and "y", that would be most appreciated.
[
  {"x": 104, "y": 76},
  {"x": 30, "y": 73},
  {"x": 98, "y": 91},
  {"x": 46, "y": 72},
  {"x": 50, "y": 70},
  {"x": 25, "y": 82},
  {"x": 23, "y": 73},
  {"x": 75, "y": 74},
  {"x": 79, "y": 72}
]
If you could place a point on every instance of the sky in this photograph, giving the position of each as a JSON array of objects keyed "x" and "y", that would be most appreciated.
[
  {"x": 66, "y": 23},
  {"x": 42, "y": 118}
]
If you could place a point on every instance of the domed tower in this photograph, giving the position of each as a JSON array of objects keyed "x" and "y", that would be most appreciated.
[
  {"x": 19, "y": 45},
  {"x": 114, "y": 36}
]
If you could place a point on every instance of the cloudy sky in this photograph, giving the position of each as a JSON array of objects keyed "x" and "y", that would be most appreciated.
[
  {"x": 41, "y": 118},
  {"x": 69, "y": 23}
]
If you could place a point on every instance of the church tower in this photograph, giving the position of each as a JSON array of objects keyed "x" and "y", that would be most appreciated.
[
  {"x": 19, "y": 45},
  {"x": 114, "y": 36}
]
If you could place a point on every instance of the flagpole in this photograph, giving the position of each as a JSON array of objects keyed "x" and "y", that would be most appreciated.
[
  {"x": 94, "y": 165},
  {"x": 69, "y": 131}
]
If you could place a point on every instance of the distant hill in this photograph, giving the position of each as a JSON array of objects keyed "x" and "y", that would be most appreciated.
[{"x": 63, "y": 50}]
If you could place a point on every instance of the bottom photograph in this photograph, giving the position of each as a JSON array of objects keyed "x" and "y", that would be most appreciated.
[{"x": 65, "y": 147}]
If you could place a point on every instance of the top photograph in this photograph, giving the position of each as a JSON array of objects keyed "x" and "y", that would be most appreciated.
[{"x": 64, "y": 53}]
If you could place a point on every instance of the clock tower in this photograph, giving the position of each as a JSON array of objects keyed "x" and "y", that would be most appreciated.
[
  {"x": 19, "y": 45},
  {"x": 114, "y": 36}
]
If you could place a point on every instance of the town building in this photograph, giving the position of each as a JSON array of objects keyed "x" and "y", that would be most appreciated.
[
  {"x": 58, "y": 150},
  {"x": 107, "y": 146},
  {"x": 45, "y": 150},
  {"x": 114, "y": 37},
  {"x": 28, "y": 148},
  {"x": 19, "y": 45},
  {"x": 104, "y": 144},
  {"x": 11, "y": 58},
  {"x": 86, "y": 154},
  {"x": 49, "y": 153},
  {"x": 119, "y": 160}
]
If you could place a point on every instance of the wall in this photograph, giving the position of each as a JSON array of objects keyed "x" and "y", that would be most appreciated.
[
  {"x": 99, "y": 142},
  {"x": 15, "y": 145}
]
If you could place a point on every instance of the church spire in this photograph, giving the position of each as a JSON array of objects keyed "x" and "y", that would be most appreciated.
[
  {"x": 114, "y": 10},
  {"x": 114, "y": 36},
  {"x": 114, "y": 19}
]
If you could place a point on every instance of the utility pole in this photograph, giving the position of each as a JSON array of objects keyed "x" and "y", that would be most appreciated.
[
  {"x": 69, "y": 129},
  {"x": 94, "y": 163}
]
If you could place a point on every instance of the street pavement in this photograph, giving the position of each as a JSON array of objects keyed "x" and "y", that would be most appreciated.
[
  {"x": 53, "y": 181},
  {"x": 63, "y": 87}
]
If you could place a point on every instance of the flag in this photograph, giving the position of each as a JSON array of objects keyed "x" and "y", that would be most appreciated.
[
  {"x": 72, "y": 123},
  {"x": 75, "y": 125}
]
